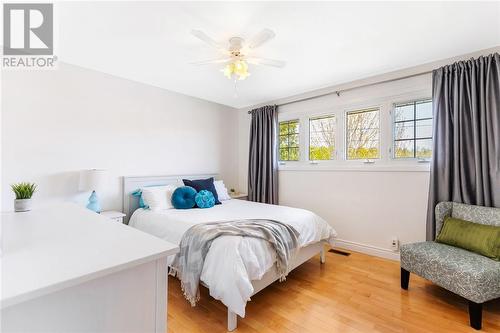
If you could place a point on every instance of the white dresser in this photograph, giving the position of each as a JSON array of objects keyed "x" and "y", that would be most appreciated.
[{"x": 67, "y": 269}]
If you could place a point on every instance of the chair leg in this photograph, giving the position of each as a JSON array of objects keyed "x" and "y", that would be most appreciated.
[
  {"x": 405, "y": 278},
  {"x": 475, "y": 314}
]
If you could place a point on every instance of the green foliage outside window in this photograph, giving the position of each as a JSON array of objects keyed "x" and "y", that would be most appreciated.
[
  {"x": 413, "y": 129},
  {"x": 362, "y": 153},
  {"x": 321, "y": 153},
  {"x": 412, "y": 134},
  {"x": 322, "y": 138},
  {"x": 363, "y": 134},
  {"x": 289, "y": 140}
]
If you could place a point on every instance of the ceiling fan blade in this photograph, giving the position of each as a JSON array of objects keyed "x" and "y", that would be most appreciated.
[
  {"x": 204, "y": 37},
  {"x": 262, "y": 37},
  {"x": 267, "y": 62},
  {"x": 212, "y": 61}
]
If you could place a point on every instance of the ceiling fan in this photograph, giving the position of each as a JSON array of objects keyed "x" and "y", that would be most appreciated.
[{"x": 237, "y": 55}]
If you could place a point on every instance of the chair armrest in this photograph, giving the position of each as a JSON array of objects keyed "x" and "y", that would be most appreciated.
[{"x": 443, "y": 209}]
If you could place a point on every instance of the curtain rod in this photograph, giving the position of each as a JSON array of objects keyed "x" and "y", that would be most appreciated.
[{"x": 337, "y": 92}]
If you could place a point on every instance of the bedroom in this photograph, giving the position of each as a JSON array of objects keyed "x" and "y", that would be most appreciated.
[{"x": 324, "y": 127}]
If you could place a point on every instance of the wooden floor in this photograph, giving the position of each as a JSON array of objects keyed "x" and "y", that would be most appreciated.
[{"x": 358, "y": 293}]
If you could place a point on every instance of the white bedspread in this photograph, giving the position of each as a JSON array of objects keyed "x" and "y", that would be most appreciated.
[{"x": 233, "y": 261}]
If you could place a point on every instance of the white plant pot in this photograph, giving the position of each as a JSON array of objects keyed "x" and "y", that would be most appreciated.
[{"x": 22, "y": 205}]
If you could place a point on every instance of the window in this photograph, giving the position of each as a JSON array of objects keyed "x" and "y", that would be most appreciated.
[
  {"x": 322, "y": 138},
  {"x": 289, "y": 140},
  {"x": 363, "y": 134},
  {"x": 413, "y": 130}
]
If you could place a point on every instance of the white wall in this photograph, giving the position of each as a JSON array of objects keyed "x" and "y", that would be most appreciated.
[
  {"x": 366, "y": 204},
  {"x": 55, "y": 123}
]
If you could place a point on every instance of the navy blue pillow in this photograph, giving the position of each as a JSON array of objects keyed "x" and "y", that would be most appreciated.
[{"x": 203, "y": 184}]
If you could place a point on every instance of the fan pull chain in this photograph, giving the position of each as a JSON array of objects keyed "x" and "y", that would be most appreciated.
[{"x": 235, "y": 95}]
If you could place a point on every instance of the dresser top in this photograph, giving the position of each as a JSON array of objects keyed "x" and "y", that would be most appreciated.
[{"x": 56, "y": 247}]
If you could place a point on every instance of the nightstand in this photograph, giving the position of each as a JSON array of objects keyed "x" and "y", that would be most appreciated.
[
  {"x": 114, "y": 215},
  {"x": 240, "y": 196}
]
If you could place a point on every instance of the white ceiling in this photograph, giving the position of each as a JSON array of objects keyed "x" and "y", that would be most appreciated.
[{"x": 324, "y": 43}]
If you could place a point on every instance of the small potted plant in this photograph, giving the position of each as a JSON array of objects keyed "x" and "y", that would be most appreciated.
[{"x": 23, "y": 191}]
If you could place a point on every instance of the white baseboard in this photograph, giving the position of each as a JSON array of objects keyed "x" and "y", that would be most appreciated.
[{"x": 367, "y": 249}]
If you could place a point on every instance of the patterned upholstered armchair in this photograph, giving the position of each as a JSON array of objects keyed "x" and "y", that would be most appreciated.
[{"x": 470, "y": 275}]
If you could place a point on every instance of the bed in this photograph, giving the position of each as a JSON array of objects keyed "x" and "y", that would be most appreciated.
[{"x": 235, "y": 267}]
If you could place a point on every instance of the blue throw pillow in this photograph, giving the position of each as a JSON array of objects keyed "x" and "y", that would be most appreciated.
[
  {"x": 138, "y": 194},
  {"x": 204, "y": 199},
  {"x": 203, "y": 184},
  {"x": 183, "y": 197}
]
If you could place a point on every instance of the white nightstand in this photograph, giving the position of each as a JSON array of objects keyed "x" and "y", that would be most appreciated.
[
  {"x": 114, "y": 215},
  {"x": 240, "y": 196}
]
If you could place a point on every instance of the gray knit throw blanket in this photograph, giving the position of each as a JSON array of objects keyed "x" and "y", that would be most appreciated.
[{"x": 188, "y": 263}]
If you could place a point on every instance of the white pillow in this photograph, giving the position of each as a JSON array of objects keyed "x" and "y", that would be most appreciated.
[
  {"x": 221, "y": 190},
  {"x": 158, "y": 197}
]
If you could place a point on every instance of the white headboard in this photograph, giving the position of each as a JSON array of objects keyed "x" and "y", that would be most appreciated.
[{"x": 131, "y": 184}]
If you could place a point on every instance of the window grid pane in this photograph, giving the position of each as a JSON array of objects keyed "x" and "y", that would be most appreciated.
[
  {"x": 413, "y": 132},
  {"x": 289, "y": 140},
  {"x": 363, "y": 134},
  {"x": 322, "y": 138},
  {"x": 423, "y": 148},
  {"x": 404, "y": 149}
]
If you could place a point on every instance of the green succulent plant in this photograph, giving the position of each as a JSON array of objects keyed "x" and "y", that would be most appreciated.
[{"x": 23, "y": 190}]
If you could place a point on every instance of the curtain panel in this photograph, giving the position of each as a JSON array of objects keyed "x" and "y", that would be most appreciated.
[
  {"x": 465, "y": 163},
  {"x": 263, "y": 156}
]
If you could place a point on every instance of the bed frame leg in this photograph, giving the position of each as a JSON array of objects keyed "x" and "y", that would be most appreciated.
[
  {"x": 232, "y": 320},
  {"x": 322, "y": 257}
]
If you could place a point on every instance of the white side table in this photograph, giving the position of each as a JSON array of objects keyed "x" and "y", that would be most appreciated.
[
  {"x": 114, "y": 215},
  {"x": 240, "y": 196}
]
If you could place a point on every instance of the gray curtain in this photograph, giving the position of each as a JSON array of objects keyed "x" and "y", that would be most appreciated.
[
  {"x": 466, "y": 151},
  {"x": 263, "y": 156}
]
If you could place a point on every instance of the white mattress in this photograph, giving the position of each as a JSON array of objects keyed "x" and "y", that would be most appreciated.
[{"x": 233, "y": 261}]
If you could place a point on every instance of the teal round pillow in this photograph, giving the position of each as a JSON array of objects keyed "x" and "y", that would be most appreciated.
[
  {"x": 204, "y": 199},
  {"x": 183, "y": 197}
]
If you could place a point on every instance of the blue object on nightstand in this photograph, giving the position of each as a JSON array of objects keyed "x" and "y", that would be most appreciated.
[{"x": 94, "y": 203}]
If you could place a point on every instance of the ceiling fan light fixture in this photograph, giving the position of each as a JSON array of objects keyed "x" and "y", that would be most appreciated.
[
  {"x": 237, "y": 69},
  {"x": 236, "y": 54}
]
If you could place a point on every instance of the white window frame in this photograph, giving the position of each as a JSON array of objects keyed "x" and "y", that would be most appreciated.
[
  {"x": 385, "y": 163},
  {"x": 300, "y": 139},
  {"x": 326, "y": 115},
  {"x": 393, "y": 137},
  {"x": 365, "y": 161}
]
